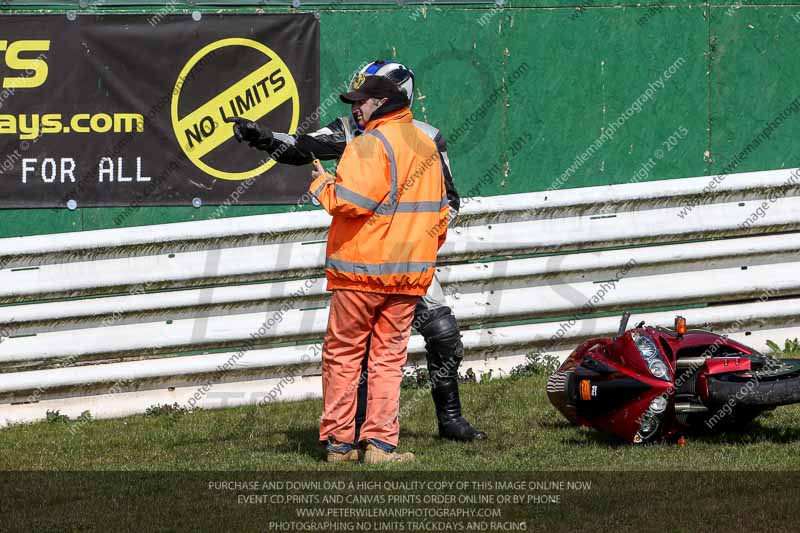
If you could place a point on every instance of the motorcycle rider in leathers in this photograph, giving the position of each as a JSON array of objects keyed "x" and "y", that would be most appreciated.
[{"x": 432, "y": 319}]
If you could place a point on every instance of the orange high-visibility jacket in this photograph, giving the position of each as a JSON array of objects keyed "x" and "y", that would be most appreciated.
[{"x": 389, "y": 207}]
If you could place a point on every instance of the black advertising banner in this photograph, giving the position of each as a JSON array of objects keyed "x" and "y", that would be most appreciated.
[{"x": 120, "y": 110}]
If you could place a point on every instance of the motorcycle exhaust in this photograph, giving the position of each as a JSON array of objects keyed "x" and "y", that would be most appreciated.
[
  {"x": 685, "y": 408},
  {"x": 690, "y": 362}
]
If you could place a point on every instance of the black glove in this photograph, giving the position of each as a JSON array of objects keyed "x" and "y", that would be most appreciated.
[{"x": 246, "y": 130}]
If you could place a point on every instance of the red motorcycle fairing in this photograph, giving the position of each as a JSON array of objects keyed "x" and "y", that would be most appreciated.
[
  {"x": 700, "y": 342},
  {"x": 610, "y": 385},
  {"x": 722, "y": 365},
  {"x": 560, "y": 385},
  {"x": 606, "y": 385}
]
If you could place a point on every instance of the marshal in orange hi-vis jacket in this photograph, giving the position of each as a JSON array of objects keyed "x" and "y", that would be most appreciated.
[
  {"x": 389, "y": 207},
  {"x": 390, "y": 215}
]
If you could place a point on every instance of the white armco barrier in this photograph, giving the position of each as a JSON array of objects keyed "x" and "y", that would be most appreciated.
[{"x": 230, "y": 312}]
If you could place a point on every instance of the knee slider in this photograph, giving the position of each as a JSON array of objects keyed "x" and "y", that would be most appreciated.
[
  {"x": 425, "y": 318},
  {"x": 443, "y": 336},
  {"x": 434, "y": 323}
]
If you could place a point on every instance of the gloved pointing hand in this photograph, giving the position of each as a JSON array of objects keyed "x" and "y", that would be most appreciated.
[{"x": 249, "y": 131}]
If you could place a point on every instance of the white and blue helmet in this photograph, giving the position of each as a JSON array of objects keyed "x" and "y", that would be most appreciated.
[{"x": 398, "y": 73}]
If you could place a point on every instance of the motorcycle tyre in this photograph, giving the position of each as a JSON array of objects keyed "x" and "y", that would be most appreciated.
[{"x": 767, "y": 391}]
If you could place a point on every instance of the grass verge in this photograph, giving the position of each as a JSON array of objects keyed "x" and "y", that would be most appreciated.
[{"x": 525, "y": 434}]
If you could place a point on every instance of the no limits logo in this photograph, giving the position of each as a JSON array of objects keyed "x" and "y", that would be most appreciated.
[{"x": 202, "y": 101}]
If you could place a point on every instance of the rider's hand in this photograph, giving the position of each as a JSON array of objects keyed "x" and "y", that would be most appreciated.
[
  {"x": 247, "y": 130},
  {"x": 318, "y": 170}
]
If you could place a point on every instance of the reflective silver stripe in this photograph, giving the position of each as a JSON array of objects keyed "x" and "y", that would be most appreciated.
[
  {"x": 382, "y": 209},
  {"x": 392, "y": 205},
  {"x": 392, "y": 165},
  {"x": 385, "y": 209},
  {"x": 322, "y": 186},
  {"x": 377, "y": 269},
  {"x": 419, "y": 207},
  {"x": 444, "y": 203},
  {"x": 354, "y": 198}
]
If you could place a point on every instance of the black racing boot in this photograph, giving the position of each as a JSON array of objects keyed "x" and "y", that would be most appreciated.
[
  {"x": 452, "y": 425},
  {"x": 444, "y": 351}
]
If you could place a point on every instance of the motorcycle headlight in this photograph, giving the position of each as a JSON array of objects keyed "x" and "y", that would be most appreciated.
[
  {"x": 649, "y": 426},
  {"x": 652, "y": 356},
  {"x": 658, "y": 405}
]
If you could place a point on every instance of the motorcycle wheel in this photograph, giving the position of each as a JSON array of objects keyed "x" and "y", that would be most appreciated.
[{"x": 777, "y": 383}]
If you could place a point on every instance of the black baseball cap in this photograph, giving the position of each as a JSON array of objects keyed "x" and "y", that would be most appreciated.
[{"x": 366, "y": 86}]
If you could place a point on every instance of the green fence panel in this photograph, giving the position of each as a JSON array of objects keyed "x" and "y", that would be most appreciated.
[
  {"x": 525, "y": 91},
  {"x": 753, "y": 83}
]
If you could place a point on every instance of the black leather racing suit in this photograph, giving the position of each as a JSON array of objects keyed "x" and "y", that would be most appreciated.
[{"x": 329, "y": 142}]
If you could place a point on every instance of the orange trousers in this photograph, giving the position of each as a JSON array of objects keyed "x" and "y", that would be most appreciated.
[{"x": 354, "y": 316}]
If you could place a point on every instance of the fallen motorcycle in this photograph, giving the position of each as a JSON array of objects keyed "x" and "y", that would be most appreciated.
[{"x": 652, "y": 383}]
